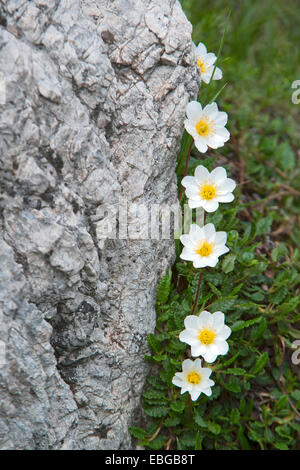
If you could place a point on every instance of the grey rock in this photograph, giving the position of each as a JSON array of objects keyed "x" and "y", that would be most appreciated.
[{"x": 91, "y": 111}]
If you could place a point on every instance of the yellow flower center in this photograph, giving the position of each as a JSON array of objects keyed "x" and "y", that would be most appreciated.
[
  {"x": 207, "y": 336},
  {"x": 194, "y": 378},
  {"x": 202, "y": 66},
  {"x": 205, "y": 126},
  {"x": 208, "y": 191},
  {"x": 204, "y": 248}
]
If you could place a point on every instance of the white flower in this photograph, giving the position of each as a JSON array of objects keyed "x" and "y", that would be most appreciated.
[
  {"x": 205, "y": 62},
  {"x": 203, "y": 245},
  {"x": 206, "y": 126},
  {"x": 206, "y": 335},
  {"x": 207, "y": 189},
  {"x": 194, "y": 379}
]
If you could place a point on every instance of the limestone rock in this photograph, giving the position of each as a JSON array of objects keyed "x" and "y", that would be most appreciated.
[{"x": 92, "y": 103}]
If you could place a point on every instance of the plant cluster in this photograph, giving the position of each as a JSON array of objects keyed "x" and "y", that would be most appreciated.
[{"x": 255, "y": 398}]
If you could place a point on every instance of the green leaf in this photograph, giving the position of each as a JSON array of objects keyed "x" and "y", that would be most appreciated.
[
  {"x": 181, "y": 159},
  {"x": 156, "y": 411},
  {"x": 214, "y": 428},
  {"x": 154, "y": 344},
  {"x": 240, "y": 325},
  {"x": 260, "y": 363},
  {"x": 172, "y": 421},
  {"x": 279, "y": 295},
  {"x": 157, "y": 443},
  {"x": 198, "y": 441},
  {"x": 285, "y": 156},
  {"x": 264, "y": 225},
  {"x": 228, "y": 263},
  {"x": 235, "y": 371},
  {"x": 235, "y": 416},
  {"x": 164, "y": 288},
  {"x": 138, "y": 433},
  {"x": 200, "y": 421},
  {"x": 154, "y": 395},
  {"x": 224, "y": 305},
  {"x": 177, "y": 406}
]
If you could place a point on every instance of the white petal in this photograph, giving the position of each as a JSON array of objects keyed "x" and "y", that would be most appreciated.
[
  {"x": 200, "y": 144},
  {"x": 220, "y": 238},
  {"x": 190, "y": 128},
  {"x": 221, "y": 250},
  {"x": 188, "y": 336},
  {"x": 205, "y": 374},
  {"x": 197, "y": 349},
  {"x": 197, "y": 364},
  {"x": 191, "y": 322},
  {"x": 210, "y": 58},
  {"x": 196, "y": 233},
  {"x": 192, "y": 192},
  {"x": 227, "y": 186},
  {"x": 215, "y": 141},
  {"x": 187, "y": 365},
  {"x": 218, "y": 321},
  {"x": 218, "y": 74},
  {"x": 188, "y": 255},
  {"x": 222, "y": 346},
  {"x": 201, "y": 174},
  {"x": 199, "y": 262},
  {"x": 201, "y": 49},
  {"x": 207, "y": 391},
  {"x": 225, "y": 332},
  {"x": 209, "y": 230},
  {"x": 210, "y": 206},
  {"x": 211, "y": 110},
  {"x": 194, "y": 203},
  {"x": 194, "y": 111},
  {"x": 229, "y": 197},
  {"x": 189, "y": 181},
  {"x": 218, "y": 175},
  {"x": 210, "y": 356},
  {"x": 186, "y": 241},
  {"x": 211, "y": 261},
  {"x": 223, "y": 133},
  {"x": 221, "y": 119},
  {"x": 177, "y": 380},
  {"x": 205, "y": 319},
  {"x": 205, "y": 77},
  {"x": 195, "y": 393}
]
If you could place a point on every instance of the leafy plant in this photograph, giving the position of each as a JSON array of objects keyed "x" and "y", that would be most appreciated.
[{"x": 256, "y": 398}]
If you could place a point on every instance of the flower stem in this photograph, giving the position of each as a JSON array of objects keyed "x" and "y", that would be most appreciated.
[{"x": 186, "y": 167}]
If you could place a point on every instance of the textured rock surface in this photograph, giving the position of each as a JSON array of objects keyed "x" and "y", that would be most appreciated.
[{"x": 95, "y": 96}]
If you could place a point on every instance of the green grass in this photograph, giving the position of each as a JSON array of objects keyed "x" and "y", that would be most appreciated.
[{"x": 257, "y": 285}]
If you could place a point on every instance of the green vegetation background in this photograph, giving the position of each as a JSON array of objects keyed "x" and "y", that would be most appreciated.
[{"x": 255, "y": 402}]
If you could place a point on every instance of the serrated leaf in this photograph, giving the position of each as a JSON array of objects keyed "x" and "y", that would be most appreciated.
[
  {"x": 239, "y": 325},
  {"x": 156, "y": 411},
  {"x": 164, "y": 288},
  {"x": 177, "y": 406},
  {"x": 264, "y": 225},
  {"x": 138, "y": 433},
  {"x": 154, "y": 344}
]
